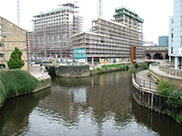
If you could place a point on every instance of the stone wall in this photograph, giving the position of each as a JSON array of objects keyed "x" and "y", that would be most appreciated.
[
  {"x": 44, "y": 82},
  {"x": 12, "y": 36},
  {"x": 73, "y": 71}
]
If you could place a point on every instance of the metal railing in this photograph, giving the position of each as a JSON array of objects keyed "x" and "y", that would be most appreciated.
[
  {"x": 166, "y": 71},
  {"x": 146, "y": 84}
]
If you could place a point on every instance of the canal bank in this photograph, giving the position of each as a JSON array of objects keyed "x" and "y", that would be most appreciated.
[
  {"x": 145, "y": 94},
  {"x": 42, "y": 76},
  {"x": 97, "y": 105},
  {"x": 17, "y": 82},
  {"x": 79, "y": 71}
]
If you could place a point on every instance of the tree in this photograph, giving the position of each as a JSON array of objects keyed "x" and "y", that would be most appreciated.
[{"x": 15, "y": 61}]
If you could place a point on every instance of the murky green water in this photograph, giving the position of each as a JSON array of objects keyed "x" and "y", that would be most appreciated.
[{"x": 100, "y": 105}]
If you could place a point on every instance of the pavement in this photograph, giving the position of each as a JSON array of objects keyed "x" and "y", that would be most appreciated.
[
  {"x": 162, "y": 73},
  {"x": 144, "y": 75},
  {"x": 144, "y": 81},
  {"x": 37, "y": 72}
]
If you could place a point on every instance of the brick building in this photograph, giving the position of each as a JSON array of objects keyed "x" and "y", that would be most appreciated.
[{"x": 12, "y": 36}]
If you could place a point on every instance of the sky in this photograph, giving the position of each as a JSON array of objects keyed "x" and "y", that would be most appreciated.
[{"x": 155, "y": 13}]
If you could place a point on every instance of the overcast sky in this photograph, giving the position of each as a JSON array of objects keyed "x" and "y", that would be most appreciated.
[{"x": 154, "y": 12}]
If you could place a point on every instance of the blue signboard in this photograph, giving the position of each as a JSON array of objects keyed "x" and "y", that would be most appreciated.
[{"x": 80, "y": 53}]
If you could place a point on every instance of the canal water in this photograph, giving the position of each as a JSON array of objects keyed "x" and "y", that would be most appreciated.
[{"x": 99, "y": 105}]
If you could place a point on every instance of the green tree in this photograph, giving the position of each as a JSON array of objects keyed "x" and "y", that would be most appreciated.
[{"x": 15, "y": 61}]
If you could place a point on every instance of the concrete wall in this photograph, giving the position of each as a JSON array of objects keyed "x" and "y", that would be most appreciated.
[
  {"x": 73, "y": 71},
  {"x": 177, "y": 82}
]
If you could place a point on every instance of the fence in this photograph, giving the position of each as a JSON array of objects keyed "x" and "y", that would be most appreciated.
[
  {"x": 145, "y": 84},
  {"x": 170, "y": 70}
]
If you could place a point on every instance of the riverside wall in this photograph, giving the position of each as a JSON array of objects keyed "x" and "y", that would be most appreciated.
[
  {"x": 44, "y": 82},
  {"x": 80, "y": 71},
  {"x": 73, "y": 71},
  {"x": 149, "y": 98}
]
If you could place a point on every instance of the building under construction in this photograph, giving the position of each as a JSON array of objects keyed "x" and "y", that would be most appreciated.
[
  {"x": 113, "y": 41},
  {"x": 52, "y": 31}
]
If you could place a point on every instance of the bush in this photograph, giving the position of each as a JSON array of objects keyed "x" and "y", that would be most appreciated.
[
  {"x": 175, "y": 100},
  {"x": 136, "y": 65},
  {"x": 145, "y": 66},
  {"x": 17, "y": 82},
  {"x": 165, "y": 88},
  {"x": 2, "y": 94},
  {"x": 132, "y": 70},
  {"x": 15, "y": 61},
  {"x": 99, "y": 69}
]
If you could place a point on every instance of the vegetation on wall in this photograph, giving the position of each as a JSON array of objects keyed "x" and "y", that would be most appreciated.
[
  {"x": 15, "y": 82},
  {"x": 15, "y": 61},
  {"x": 165, "y": 88},
  {"x": 174, "y": 99}
]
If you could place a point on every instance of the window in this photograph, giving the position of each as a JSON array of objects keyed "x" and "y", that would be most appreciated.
[
  {"x": 1, "y": 44},
  {"x": 172, "y": 21},
  {"x": 171, "y": 49},
  {"x": 1, "y": 55}
]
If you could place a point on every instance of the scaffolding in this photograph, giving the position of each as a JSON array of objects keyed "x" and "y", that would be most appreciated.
[
  {"x": 112, "y": 39},
  {"x": 52, "y": 31}
]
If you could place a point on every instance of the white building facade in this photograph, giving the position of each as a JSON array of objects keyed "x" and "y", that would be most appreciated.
[
  {"x": 175, "y": 35},
  {"x": 52, "y": 31}
]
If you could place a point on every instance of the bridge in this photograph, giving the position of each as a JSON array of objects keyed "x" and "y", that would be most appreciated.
[{"x": 156, "y": 52}]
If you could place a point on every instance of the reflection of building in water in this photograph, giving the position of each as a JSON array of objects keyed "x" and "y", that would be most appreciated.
[
  {"x": 99, "y": 94},
  {"x": 80, "y": 95}
]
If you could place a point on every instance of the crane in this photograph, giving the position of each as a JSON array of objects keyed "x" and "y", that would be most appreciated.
[
  {"x": 18, "y": 12},
  {"x": 100, "y": 8}
]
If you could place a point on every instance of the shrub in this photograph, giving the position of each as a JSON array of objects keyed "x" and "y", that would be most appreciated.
[
  {"x": 175, "y": 99},
  {"x": 145, "y": 66},
  {"x": 17, "y": 82},
  {"x": 165, "y": 88},
  {"x": 15, "y": 61},
  {"x": 132, "y": 70},
  {"x": 2, "y": 94},
  {"x": 136, "y": 65},
  {"x": 99, "y": 69}
]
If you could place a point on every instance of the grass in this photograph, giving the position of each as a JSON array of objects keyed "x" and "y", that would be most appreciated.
[{"x": 121, "y": 66}]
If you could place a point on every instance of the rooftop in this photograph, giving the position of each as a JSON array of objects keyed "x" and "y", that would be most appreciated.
[
  {"x": 127, "y": 12},
  {"x": 54, "y": 10}
]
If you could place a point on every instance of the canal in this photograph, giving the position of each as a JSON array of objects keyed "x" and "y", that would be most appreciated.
[{"x": 99, "y": 105}]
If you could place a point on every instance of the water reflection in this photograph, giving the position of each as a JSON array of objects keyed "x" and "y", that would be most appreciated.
[
  {"x": 164, "y": 125},
  {"x": 99, "y": 105},
  {"x": 14, "y": 115}
]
